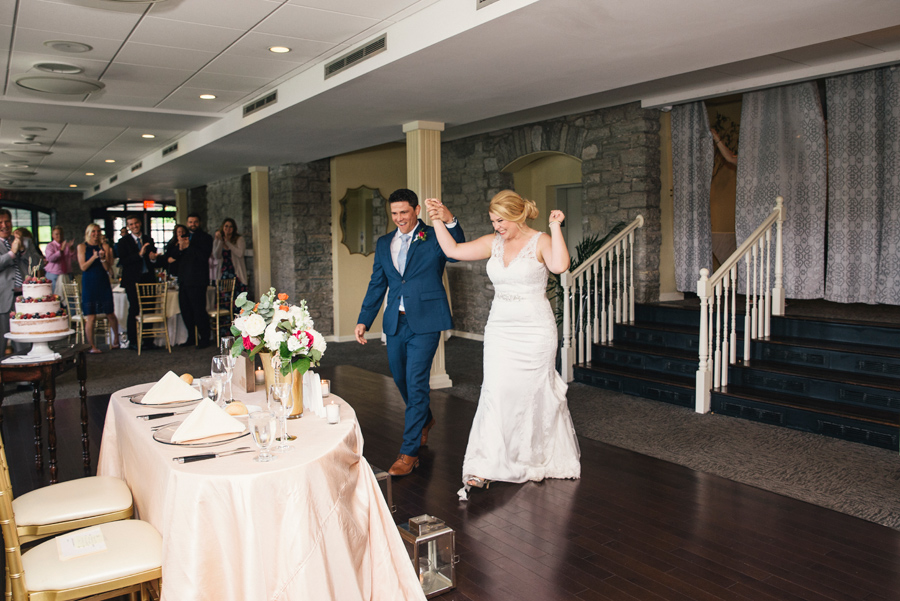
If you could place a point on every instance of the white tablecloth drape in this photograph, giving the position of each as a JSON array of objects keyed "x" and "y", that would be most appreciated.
[
  {"x": 312, "y": 524},
  {"x": 178, "y": 333}
]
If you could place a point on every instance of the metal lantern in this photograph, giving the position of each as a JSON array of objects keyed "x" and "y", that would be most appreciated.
[{"x": 432, "y": 546}]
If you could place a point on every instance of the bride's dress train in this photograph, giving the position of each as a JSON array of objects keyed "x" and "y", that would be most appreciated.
[{"x": 522, "y": 429}]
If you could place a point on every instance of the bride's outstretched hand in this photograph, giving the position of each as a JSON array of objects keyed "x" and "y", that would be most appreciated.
[{"x": 435, "y": 209}]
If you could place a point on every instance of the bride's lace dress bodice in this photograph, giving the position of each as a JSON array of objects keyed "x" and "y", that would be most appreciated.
[{"x": 524, "y": 276}]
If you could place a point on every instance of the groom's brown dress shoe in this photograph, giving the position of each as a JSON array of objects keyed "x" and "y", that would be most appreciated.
[
  {"x": 404, "y": 465},
  {"x": 425, "y": 430}
]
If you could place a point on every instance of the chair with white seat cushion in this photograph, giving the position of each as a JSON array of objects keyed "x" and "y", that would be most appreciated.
[
  {"x": 71, "y": 505},
  {"x": 131, "y": 561}
]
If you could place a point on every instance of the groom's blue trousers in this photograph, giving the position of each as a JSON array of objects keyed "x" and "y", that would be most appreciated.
[{"x": 410, "y": 356}]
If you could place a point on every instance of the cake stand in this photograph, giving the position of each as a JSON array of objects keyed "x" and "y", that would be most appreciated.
[{"x": 40, "y": 343}]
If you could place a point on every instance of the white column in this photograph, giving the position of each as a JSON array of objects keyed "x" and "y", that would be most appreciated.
[
  {"x": 423, "y": 176},
  {"x": 259, "y": 217}
]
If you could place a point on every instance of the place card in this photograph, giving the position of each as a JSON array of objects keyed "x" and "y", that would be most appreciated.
[{"x": 80, "y": 543}]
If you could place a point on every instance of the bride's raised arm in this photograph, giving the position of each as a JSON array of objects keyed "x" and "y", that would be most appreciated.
[
  {"x": 461, "y": 251},
  {"x": 555, "y": 253}
]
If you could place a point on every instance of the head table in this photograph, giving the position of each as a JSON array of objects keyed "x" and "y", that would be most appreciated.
[{"x": 312, "y": 524}]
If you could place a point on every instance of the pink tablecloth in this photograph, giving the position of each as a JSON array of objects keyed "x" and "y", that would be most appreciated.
[{"x": 312, "y": 524}]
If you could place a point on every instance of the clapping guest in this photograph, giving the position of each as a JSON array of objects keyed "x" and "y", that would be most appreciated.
[
  {"x": 228, "y": 251},
  {"x": 60, "y": 253},
  {"x": 171, "y": 254},
  {"x": 31, "y": 254},
  {"x": 137, "y": 260},
  {"x": 95, "y": 258},
  {"x": 193, "y": 255},
  {"x": 12, "y": 271}
]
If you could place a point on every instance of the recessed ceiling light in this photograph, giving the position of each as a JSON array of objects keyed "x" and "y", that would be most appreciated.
[
  {"x": 208, "y": 96},
  {"x": 59, "y": 84},
  {"x": 65, "y": 68},
  {"x": 67, "y": 46},
  {"x": 110, "y": 160},
  {"x": 148, "y": 136},
  {"x": 34, "y": 128},
  {"x": 279, "y": 49},
  {"x": 89, "y": 173},
  {"x": 27, "y": 143},
  {"x": 73, "y": 185}
]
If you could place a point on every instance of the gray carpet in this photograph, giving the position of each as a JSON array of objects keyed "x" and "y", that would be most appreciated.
[{"x": 855, "y": 479}]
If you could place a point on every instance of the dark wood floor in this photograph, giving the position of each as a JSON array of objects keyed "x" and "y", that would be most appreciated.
[{"x": 633, "y": 527}]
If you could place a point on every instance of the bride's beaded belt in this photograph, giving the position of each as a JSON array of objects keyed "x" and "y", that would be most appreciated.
[{"x": 504, "y": 296}]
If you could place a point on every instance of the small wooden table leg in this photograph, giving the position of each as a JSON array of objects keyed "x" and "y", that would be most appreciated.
[
  {"x": 38, "y": 448},
  {"x": 50, "y": 395},
  {"x": 81, "y": 369}
]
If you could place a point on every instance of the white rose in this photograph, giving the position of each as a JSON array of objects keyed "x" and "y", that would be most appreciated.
[
  {"x": 293, "y": 344},
  {"x": 318, "y": 341},
  {"x": 301, "y": 318},
  {"x": 274, "y": 337},
  {"x": 255, "y": 325},
  {"x": 239, "y": 324}
]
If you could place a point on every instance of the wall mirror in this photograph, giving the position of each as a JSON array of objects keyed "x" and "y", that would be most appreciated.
[{"x": 363, "y": 219}]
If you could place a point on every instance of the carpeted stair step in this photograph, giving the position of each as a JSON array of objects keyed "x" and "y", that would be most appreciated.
[
  {"x": 664, "y": 314},
  {"x": 655, "y": 335},
  {"x": 817, "y": 383},
  {"x": 668, "y": 388},
  {"x": 650, "y": 358},
  {"x": 851, "y": 332},
  {"x": 849, "y": 421},
  {"x": 827, "y": 354}
]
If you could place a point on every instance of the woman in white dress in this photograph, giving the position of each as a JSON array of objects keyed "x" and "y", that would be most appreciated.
[{"x": 522, "y": 429}]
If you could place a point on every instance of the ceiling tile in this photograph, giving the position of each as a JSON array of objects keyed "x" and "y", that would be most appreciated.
[
  {"x": 181, "y": 34},
  {"x": 5, "y": 33},
  {"x": 22, "y": 62},
  {"x": 7, "y": 13},
  {"x": 188, "y": 99},
  {"x": 374, "y": 10},
  {"x": 258, "y": 44},
  {"x": 248, "y": 65},
  {"x": 884, "y": 39},
  {"x": 313, "y": 24},
  {"x": 134, "y": 80},
  {"x": 238, "y": 14},
  {"x": 32, "y": 40},
  {"x": 222, "y": 81},
  {"x": 68, "y": 19},
  {"x": 161, "y": 56},
  {"x": 146, "y": 100}
]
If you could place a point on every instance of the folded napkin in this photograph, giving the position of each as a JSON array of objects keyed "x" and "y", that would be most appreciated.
[
  {"x": 170, "y": 389},
  {"x": 205, "y": 421}
]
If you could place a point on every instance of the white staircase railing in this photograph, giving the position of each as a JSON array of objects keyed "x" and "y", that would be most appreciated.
[
  {"x": 718, "y": 321},
  {"x": 598, "y": 294}
]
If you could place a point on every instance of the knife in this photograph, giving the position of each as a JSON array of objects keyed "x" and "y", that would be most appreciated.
[
  {"x": 159, "y": 415},
  {"x": 203, "y": 456}
]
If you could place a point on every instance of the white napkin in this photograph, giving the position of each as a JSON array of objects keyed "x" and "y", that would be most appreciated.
[
  {"x": 312, "y": 394},
  {"x": 205, "y": 421},
  {"x": 170, "y": 389}
]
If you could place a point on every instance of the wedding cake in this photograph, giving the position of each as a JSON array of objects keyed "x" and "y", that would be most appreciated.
[{"x": 38, "y": 310}]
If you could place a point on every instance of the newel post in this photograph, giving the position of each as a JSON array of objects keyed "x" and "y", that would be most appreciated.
[
  {"x": 778, "y": 291},
  {"x": 704, "y": 375}
]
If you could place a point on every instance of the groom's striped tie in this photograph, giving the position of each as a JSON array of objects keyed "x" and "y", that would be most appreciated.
[{"x": 404, "y": 249}]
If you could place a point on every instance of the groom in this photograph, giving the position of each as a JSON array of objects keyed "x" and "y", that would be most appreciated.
[{"x": 409, "y": 263}]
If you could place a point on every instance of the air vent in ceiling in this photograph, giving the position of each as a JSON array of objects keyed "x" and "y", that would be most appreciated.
[
  {"x": 113, "y": 179},
  {"x": 97, "y": 188},
  {"x": 170, "y": 149},
  {"x": 260, "y": 103},
  {"x": 483, "y": 3},
  {"x": 355, "y": 56},
  {"x": 137, "y": 166}
]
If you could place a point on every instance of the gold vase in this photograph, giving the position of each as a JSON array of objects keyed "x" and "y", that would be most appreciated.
[{"x": 296, "y": 384}]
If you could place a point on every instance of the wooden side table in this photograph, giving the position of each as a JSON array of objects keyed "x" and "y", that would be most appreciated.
[{"x": 43, "y": 374}]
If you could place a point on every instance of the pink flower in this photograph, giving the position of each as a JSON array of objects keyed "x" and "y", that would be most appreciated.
[
  {"x": 421, "y": 236},
  {"x": 248, "y": 344}
]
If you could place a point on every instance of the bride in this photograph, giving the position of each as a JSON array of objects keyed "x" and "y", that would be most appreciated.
[{"x": 522, "y": 429}]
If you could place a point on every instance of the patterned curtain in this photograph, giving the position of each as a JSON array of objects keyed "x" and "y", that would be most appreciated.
[
  {"x": 692, "y": 166},
  {"x": 864, "y": 176},
  {"x": 782, "y": 152}
]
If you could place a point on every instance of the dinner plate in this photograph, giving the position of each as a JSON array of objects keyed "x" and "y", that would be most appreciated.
[
  {"x": 137, "y": 401},
  {"x": 164, "y": 435}
]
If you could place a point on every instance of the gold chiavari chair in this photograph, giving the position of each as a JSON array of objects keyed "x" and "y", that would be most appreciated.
[{"x": 151, "y": 319}]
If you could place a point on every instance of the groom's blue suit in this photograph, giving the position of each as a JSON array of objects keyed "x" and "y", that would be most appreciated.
[{"x": 412, "y": 337}]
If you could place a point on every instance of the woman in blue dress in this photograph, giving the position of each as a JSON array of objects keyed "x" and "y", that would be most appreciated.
[{"x": 95, "y": 258}]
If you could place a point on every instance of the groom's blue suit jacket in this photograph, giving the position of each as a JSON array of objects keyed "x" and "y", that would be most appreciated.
[{"x": 424, "y": 298}]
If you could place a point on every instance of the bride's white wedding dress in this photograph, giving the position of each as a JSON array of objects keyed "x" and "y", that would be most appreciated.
[{"x": 522, "y": 429}]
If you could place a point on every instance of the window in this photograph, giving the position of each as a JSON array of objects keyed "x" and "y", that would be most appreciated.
[
  {"x": 35, "y": 221},
  {"x": 158, "y": 220}
]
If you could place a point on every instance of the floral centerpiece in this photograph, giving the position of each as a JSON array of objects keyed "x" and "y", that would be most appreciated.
[{"x": 275, "y": 326}]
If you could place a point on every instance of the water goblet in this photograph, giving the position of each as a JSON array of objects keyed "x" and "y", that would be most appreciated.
[
  {"x": 284, "y": 402},
  {"x": 219, "y": 372},
  {"x": 262, "y": 429},
  {"x": 225, "y": 344}
]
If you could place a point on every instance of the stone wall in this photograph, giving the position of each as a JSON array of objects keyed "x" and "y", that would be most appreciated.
[
  {"x": 300, "y": 218},
  {"x": 228, "y": 198},
  {"x": 619, "y": 150},
  {"x": 72, "y": 211}
]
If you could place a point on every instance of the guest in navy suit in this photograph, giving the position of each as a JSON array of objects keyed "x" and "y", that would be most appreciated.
[{"x": 409, "y": 264}]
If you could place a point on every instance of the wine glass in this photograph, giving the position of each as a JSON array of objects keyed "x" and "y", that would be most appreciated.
[
  {"x": 225, "y": 344},
  {"x": 220, "y": 370},
  {"x": 262, "y": 428},
  {"x": 284, "y": 403},
  {"x": 229, "y": 363}
]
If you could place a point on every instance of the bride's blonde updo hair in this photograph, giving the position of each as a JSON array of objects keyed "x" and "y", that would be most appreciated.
[{"x": 511, "y": 207}]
